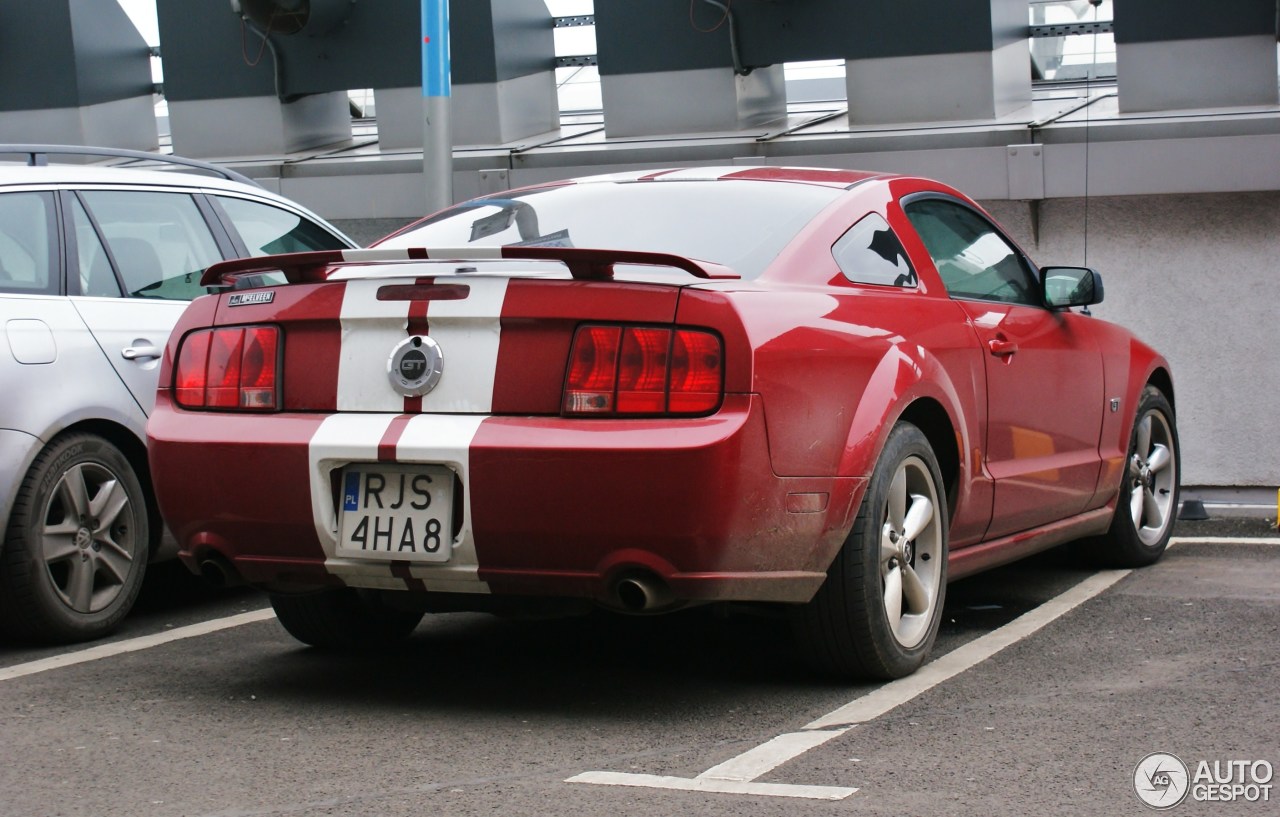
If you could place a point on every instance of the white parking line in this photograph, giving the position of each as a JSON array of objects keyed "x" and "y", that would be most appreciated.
[
  {"x": 896, "y": 693},
  {"x": 703, "y": 784},
  {"x": 737, "y": 775},
  {"x": 1224, "y": 540},
  {"x": 769, "y": 756},
  {"x": 133, "y": 644}
]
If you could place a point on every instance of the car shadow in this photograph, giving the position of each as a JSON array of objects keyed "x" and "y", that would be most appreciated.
[{"x": 612, "y": 665}]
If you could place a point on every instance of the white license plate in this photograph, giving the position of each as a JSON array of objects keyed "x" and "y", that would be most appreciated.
[{"x": 396, "y": 512}]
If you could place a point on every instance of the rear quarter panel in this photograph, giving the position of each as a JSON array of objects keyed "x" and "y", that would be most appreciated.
[{"x": 837, "y": 364}]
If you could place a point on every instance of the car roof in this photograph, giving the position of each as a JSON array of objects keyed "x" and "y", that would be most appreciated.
[
  {"x": 13, "y": 173},
  {"x": 821, "y": 176}
]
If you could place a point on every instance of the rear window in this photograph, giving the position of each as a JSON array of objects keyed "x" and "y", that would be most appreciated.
[
  {"x": 268, "y": 230},
  {"x": 738, "y": 223}
]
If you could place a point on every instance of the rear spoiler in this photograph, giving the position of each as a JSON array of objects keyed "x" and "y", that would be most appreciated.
[{"x": 584, "y": 264}]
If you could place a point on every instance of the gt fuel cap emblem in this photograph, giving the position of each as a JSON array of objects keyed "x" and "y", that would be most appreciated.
[{"x": 415, "y": 366}]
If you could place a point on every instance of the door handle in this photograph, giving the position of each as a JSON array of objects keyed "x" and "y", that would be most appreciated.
[
  {"x": 146, "y": 352},
  {"x": 1001, "y": 347}
]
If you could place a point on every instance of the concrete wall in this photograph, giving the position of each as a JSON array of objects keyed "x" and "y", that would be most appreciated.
[{"x": 1195, "y": 276}]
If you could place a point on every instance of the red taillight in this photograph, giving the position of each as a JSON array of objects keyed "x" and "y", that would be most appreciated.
[
  {"x": 258, "y": 368},
  {"x": 593, "y": 371},
  {"x": 190, "y": 376},
  {"x": 697, "y": 372},
  {"x": 229, "y": 368},
  {"x": 643, "y": 370}
]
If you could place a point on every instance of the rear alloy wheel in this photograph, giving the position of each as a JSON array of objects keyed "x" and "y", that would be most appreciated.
[
  {"x": 344, "y": 618},
  {"x": 77, "y": 544},
  {"x": 878, "y": 612},
  {"x": 1148, "y": 499}
]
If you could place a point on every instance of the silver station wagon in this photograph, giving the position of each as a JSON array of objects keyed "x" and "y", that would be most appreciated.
[{"x": 96, "y": 264}]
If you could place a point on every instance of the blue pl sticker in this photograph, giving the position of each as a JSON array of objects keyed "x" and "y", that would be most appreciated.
[{"x": 351, "y": 492}]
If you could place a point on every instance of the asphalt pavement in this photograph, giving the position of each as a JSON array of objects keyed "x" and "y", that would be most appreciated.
[{"x": 1051, "y": 684}]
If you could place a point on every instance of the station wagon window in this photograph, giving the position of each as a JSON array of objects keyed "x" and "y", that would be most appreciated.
[
  {"x": 973, "y": 259},
  {"x": 26, "y": 263},
  {"x": 160, "y": 241},
  {"x": 870, "y": 253},
  {"x": 97, "y": 278},
  {"x": 268, "y": 230}
]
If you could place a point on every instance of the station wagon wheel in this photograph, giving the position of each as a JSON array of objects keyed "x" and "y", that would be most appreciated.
[
  {"x": 877, "y": 613},
  {"x": 344, "y": 618},
  {"x": 1148, "y": 498},
  {"x": 77, "y": 545}
]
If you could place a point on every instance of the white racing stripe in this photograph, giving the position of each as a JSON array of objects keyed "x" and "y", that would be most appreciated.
[
  {"x": 438, "y": 439},
  {"x": 418, "y": 253},
  {"x": 446, "y": 439},
  {"x": 370, "y": 331},
  {"x": 701, "y": 173},
  {"x": 343, "y": 439},
  {"x": 468, "y": 332}
]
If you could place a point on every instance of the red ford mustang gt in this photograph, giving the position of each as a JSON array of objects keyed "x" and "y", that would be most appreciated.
[{"x": 825, "y": 389}]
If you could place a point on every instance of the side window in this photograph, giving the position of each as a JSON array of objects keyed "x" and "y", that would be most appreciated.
[
  {"x": 26, "y": 262},
  {"x": 97, "y": 279},
  {"x": 160, "y": 241},
  {"x": 870, "y": 253},
  {"x": 973, "y": 259},
  {"x": 269, "y": 230}
]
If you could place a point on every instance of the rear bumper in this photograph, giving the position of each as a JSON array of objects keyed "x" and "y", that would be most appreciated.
[{"x": 551, "y": 506}]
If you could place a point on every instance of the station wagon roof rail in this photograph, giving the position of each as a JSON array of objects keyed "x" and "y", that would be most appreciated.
[{"x": 38, "y": 155}]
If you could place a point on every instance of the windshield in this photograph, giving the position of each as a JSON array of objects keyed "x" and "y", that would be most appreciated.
[{"x": 741, "y": 224}]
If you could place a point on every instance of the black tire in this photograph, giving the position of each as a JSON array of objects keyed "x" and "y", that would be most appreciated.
[
  {"x": 343, "y": 618},
  {"x": 77, "y": 544},
  {"x": 1147, "y": 504},
  {"x": 849, "y": 629}
]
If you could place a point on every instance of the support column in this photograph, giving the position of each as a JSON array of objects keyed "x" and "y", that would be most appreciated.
[
  {"x": 969, "y": 61},
  {"x": 232, "y": 93},
  {"x": 258, "y": 125},
  {"x": 1178, "y": 54},
  {"x": 437, "y": 135},
  {"x": 85, "y": 79},
  {"x": 669, "y": 67}
]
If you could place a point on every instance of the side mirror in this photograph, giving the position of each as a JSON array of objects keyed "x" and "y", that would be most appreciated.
[{"x": 1070, "y": 286}]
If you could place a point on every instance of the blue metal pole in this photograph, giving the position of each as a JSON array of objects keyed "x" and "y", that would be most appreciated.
[{"x": 437, "y": 145}]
